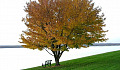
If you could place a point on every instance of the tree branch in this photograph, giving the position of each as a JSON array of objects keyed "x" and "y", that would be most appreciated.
[
  {"x": 70, "y": 33},
  {"x": 61, "y": 33},
  {"x": 42, "y": 28},
  {"x": 49, "y": 52},
  {"x": 61, "y": 54}
]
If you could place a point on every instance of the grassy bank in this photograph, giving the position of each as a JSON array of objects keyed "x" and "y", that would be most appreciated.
[{"x": 106, "y": 61}]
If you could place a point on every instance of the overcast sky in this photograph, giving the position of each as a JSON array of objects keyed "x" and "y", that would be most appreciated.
[{"x": 11, "y": 13}]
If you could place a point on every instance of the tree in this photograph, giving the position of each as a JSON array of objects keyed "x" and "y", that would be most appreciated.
[{"x": 58, "y": 25}]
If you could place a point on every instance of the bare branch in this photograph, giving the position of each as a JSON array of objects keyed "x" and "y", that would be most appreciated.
[{"x": 49, "y": 52}]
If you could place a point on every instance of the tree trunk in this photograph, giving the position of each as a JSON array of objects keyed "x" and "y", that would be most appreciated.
[
  {"x": 57, "y": 61},
  {"x": 57, "y": 55}
]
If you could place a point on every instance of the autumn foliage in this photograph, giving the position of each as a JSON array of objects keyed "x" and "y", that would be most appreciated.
[{"x": 58, "y": 25}]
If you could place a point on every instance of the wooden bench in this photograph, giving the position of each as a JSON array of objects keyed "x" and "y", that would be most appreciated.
[{"x": 47, "y": 62}]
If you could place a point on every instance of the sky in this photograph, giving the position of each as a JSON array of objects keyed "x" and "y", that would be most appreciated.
[{"x": 11, "y": 26}]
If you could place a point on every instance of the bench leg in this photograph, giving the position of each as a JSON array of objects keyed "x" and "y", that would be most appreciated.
[{"x": 42, "y": 64}]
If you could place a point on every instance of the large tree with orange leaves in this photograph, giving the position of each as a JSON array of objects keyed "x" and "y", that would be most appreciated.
[{"x": 58, "y": 25}]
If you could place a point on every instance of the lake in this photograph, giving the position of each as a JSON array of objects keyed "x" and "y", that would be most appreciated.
[{"x": 22, "y": 58}]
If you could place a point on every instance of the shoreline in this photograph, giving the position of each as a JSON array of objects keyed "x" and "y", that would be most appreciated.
[{"x": 95, "y": 44}]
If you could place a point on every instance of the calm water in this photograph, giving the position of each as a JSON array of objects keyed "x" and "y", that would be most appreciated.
[{"x": 22, "y": 58}]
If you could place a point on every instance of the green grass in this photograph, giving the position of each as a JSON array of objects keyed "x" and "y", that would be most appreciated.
[{"x": 106, "y": 61}]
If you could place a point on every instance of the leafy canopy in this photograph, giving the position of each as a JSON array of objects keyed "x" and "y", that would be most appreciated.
[{"x": 62, "y": 23}]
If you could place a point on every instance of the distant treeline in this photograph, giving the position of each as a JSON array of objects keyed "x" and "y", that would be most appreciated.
[
  {"x": 95, "y": 44},
  {"x": 11, "y": 46},
  {"x": 106, "y": 44}
]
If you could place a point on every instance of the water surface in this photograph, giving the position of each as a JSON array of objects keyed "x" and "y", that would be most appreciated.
[{"x": 22, "y": 58}]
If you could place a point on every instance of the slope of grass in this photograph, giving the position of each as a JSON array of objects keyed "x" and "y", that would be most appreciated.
[{"x": 106, "y": 61}]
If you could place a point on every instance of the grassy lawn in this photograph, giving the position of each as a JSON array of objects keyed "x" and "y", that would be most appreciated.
[{"x": 106, "y": 61}]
